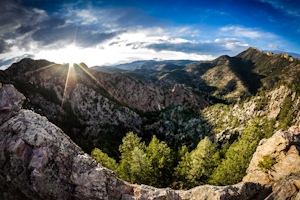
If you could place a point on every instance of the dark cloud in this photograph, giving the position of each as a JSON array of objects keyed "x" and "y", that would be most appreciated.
[
  {"x": 13, "y": 17},
  {"x": 24, "y": 29},
  {"x": 50, "y": 30},
  {"x": 221, "y": 46},
  {"x": 89, "y": 39},
  {"x": 53, "y": 34},
  {"x": 4, "y": 46}
]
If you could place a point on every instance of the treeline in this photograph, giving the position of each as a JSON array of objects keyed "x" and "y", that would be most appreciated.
[{"x": 160, "y": 166}]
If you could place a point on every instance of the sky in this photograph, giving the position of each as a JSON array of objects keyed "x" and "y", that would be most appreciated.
[{"x": 108, "y": 32}]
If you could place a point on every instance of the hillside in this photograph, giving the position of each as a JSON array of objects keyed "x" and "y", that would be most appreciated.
[
  {"x": 39, "y": 161},
  {"x": 227, "y": 79},
  {"x": 167, "y": 113},
  {"x": 145, "y": 64},
  {"x": 95, "y": 106}
]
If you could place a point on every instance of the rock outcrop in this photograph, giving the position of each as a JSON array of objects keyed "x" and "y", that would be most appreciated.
[
  {"x": 245, "y": 191},
  {"x": 275, "y": 161},
  {"x": 38, "y": 161},
  {"x": 11, "y": 102}
]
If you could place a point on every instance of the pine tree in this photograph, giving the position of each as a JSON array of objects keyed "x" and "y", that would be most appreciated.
[
  {"x": 104, "y": 159},
  {"x": 129, "y": 142},
  {"x": 140, "y": 167},
  {"x": 181, "y": 171},
  {"x": 159, "y": 155},
  {"x": 203, "y": 161}
]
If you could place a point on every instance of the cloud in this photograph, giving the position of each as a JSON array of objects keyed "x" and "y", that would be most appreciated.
[
  {"x": 4, "y": 46},
  {"x": 4, "y": 64},
  {"x": 14, "y": 16},
  {"x": 238, "y": 31},
  {"x": 291, "y": 7},
  {"x": 229, "y": 46},
  {"x": 273, "y": 46}
]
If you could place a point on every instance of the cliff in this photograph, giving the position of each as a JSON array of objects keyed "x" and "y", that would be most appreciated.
[{"x": 38, "y": 161}]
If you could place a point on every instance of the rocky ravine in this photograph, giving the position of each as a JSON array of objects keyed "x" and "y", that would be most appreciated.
[
  {"x": 38, "y": 161},
  {"x": 96, "y": 98}
]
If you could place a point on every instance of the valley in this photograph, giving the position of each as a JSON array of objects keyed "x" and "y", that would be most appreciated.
[{"x": 177, "y": 124}]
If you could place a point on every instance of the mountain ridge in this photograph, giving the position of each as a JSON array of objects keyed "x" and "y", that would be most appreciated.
[
  {"x": 176, "y": 105},
  {"x": 36, "y": 157}
]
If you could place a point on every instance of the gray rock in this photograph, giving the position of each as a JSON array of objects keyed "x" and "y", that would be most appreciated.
[{"x": 11, "y": 102}]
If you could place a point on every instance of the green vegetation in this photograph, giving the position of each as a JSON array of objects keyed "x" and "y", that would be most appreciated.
[
  {"x": 103, "y": 158},
  {"x": 267, "y": 163},
  {"x": 158, "y": 165},
  {"x": 172, "y": 148},
  {"x": 238, "y": 156},
  {"x": 285, "y": 116},
  {"x": 139, "y": 163}
]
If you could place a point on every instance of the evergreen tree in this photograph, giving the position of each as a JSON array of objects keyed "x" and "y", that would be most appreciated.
[
  {"x": 181, "y": 171},
  {"x": 104, "y": 159},
  {"x": 140, "y": 167},
  {"x": 203, "y": 161},
  {"x": 285, "y": 116},
  {"x": 159, "y": 155},
  {"x": 129, "y": 142}
]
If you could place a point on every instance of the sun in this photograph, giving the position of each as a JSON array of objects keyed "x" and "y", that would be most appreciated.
[{"x": 70, "y": 54}]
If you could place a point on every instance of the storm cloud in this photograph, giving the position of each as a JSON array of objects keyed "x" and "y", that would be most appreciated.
[
  {"x": 219, "y": 46},
  {"x": 4, "y": 47}
]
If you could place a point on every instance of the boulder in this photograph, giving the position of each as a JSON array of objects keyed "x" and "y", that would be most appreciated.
[
  {"x": 208, "y": 192},
  {"x": 11, "y": 102},
  {"x": 282, "y": 150},
  {"x": 286, "y": 188}
]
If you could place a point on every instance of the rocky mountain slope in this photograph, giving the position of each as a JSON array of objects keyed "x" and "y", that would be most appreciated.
[
  {"x": 38, "y": 161},
  {"x": 275, "y": 109},
  {"x": 145, "y": 64},
  {"x": 91, "y": 103},
  {"x": 101, "y": 107},
  {"x": 231, "y": 79}
]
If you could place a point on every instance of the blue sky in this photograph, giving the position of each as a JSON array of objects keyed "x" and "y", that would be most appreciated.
[{"x": 106, "y": 32}]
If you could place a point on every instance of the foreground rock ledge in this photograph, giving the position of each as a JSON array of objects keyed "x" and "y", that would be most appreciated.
[{"x": 39, "y": 161}]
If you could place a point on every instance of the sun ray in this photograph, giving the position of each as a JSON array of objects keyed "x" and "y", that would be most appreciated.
[
  {"x": 88, "y": 73},
  {"x": 63, "y": 98},
  {"x": 36, "y": 70}
]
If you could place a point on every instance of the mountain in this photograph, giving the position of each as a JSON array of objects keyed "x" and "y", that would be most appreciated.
[
  {"x": 104, "y": 106},
  {"x": 95, "y": 105},
  {"x": 187, "y": 125},
  {"x": 38, "y": 161},
  {"x": 146, "y": 64},
  {"x": 229, "y": 79}
]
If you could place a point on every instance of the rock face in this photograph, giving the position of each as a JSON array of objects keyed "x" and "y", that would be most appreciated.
[
  {"x": 232, "y": 192},
  {"x": 96, "y": 99},
  {"x": 38, "y": 161},
  {"x": 11, "y": 102},
  {"x": 282, "y": 152},
  {"x": 239, "y": 116}
]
